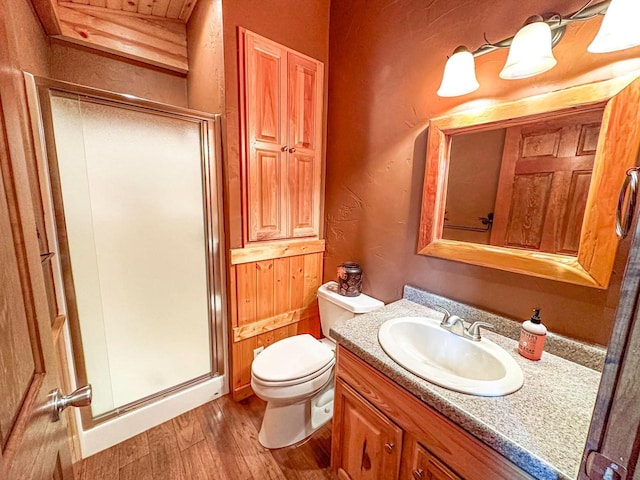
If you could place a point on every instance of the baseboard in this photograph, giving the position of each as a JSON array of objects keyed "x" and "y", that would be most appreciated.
[
  {"x": 240, "y": 393},
  {"x": 121, "y": 428}
]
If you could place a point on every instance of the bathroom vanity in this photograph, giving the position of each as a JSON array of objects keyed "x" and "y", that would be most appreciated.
[
  {"x": 412, "y": 439},
  {"x": 391, "y": 424}
]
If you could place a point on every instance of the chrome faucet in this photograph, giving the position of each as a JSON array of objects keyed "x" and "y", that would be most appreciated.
[
  {"x": 473, "y": 332},
  {"x": 455, "y": 324}
]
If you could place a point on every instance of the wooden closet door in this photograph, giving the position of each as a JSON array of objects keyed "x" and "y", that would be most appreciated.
[
  {"x": 305, "y": 78},
  {"x": 32, "y": 445},
  {"x": 544, "y": 182},
  {"x": 265, "y": 98}
]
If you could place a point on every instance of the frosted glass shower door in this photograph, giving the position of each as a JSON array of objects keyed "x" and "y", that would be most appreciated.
[{"x": 131, "y": 184}]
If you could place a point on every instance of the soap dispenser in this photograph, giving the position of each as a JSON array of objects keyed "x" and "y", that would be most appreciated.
[{"x": 532, "y": 337}]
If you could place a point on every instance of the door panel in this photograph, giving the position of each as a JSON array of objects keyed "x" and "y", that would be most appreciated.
[
  {"x": 528, "y": 210},
  {"x": 265, "y": 97},
  {"x": 427, "y": 467},
  {"x": 32, "y": 447},
  {"x": 305, "y": 79},
  {"x": 368, "y": 444},
  {"x": 613, "y": 443},
  {"x": 544, "y": 183},
  {"x": 266, "y": 193},
  {"x": 32, "y": 443},
  {"x": 304, "y": 94},
  {"x": 576, "y": 204},
  {"x": 303, "y": 189},
  {"x": 15, "y": 344},
  {"x": 268, "y": 99}
]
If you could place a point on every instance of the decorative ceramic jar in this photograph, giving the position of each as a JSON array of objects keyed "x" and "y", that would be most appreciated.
[{"x": 349, "y": 279}]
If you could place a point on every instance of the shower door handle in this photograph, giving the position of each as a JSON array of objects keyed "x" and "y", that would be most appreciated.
[{"x": 78, "y": 398}]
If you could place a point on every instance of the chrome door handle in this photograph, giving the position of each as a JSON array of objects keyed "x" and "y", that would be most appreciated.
[
  {"x": 630, "y": 183},
  {"x": 78, "y": 398}
]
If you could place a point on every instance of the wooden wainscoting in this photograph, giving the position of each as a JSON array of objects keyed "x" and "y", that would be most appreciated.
[{"x": 273, "y": 296}]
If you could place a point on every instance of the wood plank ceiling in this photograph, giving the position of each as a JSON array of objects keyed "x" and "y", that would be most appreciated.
[
  {"x": 175, "y": 9},
  {"x": 148, "y": 31}
]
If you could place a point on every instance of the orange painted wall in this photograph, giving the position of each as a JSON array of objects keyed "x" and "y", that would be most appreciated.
[
  {"x": 205, "y": 80},
  {"x": 26, "y": 38},
  {"x": 386, "y": 65},
  {"x": 300, "y": 25},
  {"x": 471, "y": 190},
  {"x": 92, "y": 68}
]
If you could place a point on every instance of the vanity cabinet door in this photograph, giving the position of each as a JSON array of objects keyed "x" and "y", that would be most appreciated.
[
  {"x": 366, "y": 444},
  {"x": 427, "y": 467}
]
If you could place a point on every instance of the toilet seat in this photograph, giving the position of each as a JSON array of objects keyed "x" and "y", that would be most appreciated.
[
  {"x": 292, "y": 361},
  {"x": 295, "y": 381}
]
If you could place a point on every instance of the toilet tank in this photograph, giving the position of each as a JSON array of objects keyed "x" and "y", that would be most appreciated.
[{"x": 335, "y": 307}]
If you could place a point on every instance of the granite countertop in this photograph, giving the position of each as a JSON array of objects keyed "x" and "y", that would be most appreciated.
[{"x": 542, "y": 427}]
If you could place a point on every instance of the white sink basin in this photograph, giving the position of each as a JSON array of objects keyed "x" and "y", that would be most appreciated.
[{"x": 421, "y": 346}]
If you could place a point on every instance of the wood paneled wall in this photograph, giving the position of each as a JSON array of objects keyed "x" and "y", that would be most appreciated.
[
  {"x": 158, "y": 41},
  {"x": 273, "y": 296}
]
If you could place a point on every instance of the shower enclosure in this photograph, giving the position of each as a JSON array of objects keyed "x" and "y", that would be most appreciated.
[{"x": 135, "y": 223}]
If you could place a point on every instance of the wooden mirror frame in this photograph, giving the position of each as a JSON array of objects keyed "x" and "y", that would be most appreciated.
[{"x": 617, "y": 151}]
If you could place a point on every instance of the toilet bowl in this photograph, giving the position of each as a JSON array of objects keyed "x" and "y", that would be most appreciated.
[{"x": 295, "y": 375}]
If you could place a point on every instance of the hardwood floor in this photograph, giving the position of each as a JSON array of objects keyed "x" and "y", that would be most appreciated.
[{"x": 216, "y": 441}]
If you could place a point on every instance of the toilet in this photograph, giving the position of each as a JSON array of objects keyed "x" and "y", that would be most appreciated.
[{"x": 295, "y": 375}]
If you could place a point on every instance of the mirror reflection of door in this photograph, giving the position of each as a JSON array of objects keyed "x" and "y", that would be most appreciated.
[{"x": 538, "y": 198}]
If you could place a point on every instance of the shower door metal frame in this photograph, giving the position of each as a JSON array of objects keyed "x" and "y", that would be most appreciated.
[{"x": 40, "y": 90}]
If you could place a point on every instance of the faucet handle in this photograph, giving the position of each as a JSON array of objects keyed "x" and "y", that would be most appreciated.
[
  {"x": 473, "y": 332},
  {"x": 443, "y": 310}
]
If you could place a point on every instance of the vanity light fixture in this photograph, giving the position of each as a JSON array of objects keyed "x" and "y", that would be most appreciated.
[
  {"x": 459, "y": 76},
  {"x": 619, "y": 29},
  {"x": 530, "y": 52},
  {"x": 530, "y": 49}
]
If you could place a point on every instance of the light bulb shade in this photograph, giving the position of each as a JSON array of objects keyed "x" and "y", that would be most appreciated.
[
  {"x": 530, "y": 52},
  {"x": 459, "y": 76},
  {"x": 619, "y": 29}
]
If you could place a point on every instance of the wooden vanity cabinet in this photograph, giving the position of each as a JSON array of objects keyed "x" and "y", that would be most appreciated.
[
  {"x": 367, "y": 445},
  {"x": 426, "y": 466},
  {"x": 281, "y": 129},
  {"x": 381, "y": 431}
]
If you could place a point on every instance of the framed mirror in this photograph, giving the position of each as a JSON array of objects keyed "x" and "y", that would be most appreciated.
[{"x": 532, "y": 186}]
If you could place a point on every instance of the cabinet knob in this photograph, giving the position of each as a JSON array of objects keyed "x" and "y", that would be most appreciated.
[
  {"x": 389, "y": 447},
  {"x": 418, "y": 474},
  {"x": 291, "y": 150},
  {"x": 284, "y": 148}
]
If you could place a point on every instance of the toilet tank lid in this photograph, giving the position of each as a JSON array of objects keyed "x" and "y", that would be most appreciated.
[{"x": 360, "y": 304}]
